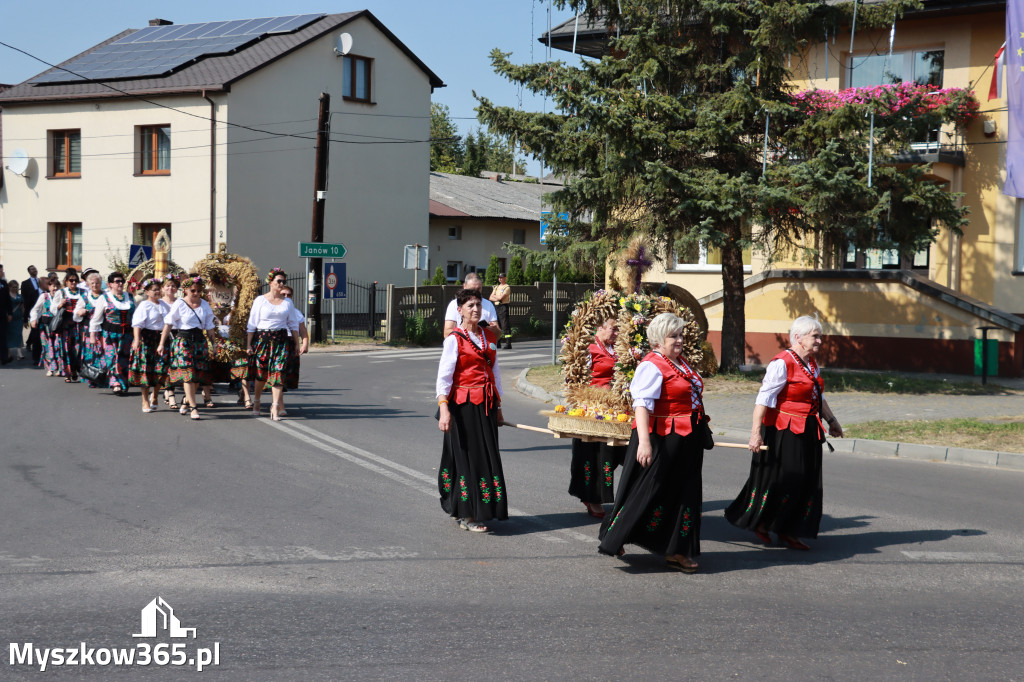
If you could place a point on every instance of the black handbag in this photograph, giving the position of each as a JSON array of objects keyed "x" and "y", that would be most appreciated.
[
  {"x": 709, "y": 439},
  {"x": 91, "y": 372},
  {"x": 56, "y": 323}
]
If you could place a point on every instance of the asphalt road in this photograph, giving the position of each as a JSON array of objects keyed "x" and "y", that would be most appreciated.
[{"x": 315, "y": 549}]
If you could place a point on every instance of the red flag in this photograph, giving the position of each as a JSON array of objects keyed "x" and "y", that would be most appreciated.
[{"x": 995, "y": 91}]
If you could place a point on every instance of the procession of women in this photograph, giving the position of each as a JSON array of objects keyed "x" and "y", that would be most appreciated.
[
  {"x": 657, "y": 504},
  {"x": 165, "y": 336}
]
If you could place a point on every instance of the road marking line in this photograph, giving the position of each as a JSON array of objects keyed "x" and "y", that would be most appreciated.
[{"x": 355, "y": 455}]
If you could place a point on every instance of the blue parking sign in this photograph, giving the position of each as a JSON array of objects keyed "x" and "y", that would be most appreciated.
[{"x": 544, "y": 225}]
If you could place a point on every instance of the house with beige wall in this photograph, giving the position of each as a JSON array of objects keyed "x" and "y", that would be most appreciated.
[
  {"x": 220, "y": 148},
  {"x": 472, "y": 218}
]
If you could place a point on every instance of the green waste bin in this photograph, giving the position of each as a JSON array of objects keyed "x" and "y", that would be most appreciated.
[{"x": 993, "y": 358}]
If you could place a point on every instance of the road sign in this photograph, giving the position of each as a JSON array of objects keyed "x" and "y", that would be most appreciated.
[
  {"x": 335, "y": 280},
  {"x": 544, "y": 225},
  {"x": 415, "y": 257},
  {"x": 139, "y": 254},
  {"x": 318, "y": 250}
]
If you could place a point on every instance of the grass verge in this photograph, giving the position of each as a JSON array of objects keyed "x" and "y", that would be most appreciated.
[{"x": 1005, "y": 435}]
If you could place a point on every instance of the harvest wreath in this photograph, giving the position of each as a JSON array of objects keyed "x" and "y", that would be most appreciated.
[{"x": 595, "y": 413}]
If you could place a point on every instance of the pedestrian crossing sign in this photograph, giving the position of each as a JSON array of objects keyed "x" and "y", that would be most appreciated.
[{"x": 139, "y": 254}]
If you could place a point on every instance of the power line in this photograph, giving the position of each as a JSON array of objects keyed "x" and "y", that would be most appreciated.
[{"x": 207, "y": 118}]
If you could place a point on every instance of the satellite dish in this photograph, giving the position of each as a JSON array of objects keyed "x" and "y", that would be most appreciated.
[
  {"x": 17, "y": 162},
  {"x": 343, "y": 44}
]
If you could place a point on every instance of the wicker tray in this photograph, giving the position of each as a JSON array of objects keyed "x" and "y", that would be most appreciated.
[{"x": 588, "y": 429}]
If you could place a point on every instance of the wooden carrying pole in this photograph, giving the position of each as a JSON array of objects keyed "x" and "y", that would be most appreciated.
[{"x": 552, "y": 433}]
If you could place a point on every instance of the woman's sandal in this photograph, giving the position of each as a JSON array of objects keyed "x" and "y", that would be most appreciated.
[
  {"x": 248, "y": 404},
  {"x": 676, "y": 565},
  {"x": 793, "y": 543},
  {"x": 171, "y": 404},
  {"x": 194, "y": 416},
  {"x": 472, "y": 526},
  {"x": 256, "y": 408},
  {"x": 183, "y": 410},
  {"x": 274, "y": 415},
  {"x": 210, "y": 403}
]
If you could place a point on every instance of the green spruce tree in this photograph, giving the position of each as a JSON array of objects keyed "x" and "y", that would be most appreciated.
[{"x": 664, "y": 137}]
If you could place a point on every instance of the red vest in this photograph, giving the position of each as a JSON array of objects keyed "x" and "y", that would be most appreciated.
[
  {"x": 674, "y": 407},
  {"x": 602, "y": 365},
  {"x": 473, "y": 379},
  {"x": 798, "y": 399}
]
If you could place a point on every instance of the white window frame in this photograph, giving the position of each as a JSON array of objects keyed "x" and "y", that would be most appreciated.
[{"x": 702, "y": 264}]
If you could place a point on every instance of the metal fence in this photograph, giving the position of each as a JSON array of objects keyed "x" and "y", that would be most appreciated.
[
  {"x": 360, "y": 314},
  {"x": 532, "y": 301}
]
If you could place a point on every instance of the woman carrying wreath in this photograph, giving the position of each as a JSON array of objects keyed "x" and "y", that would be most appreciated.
[
  {"x": 168, "y": 297},
  {"x": 91, "y": 348},
  {"x": 39, "y": 318},
  {"x": 110, "y": 329},
  {"x": 591, "y": 476},
  {"x": 63, "y": 304},
  {"x": 658, "y": 503},
  {"x": 468, "y": 387},
  {"x": 190, "y": 317},
  {"x": 146, "y": 367},
  {"x": 269, "y": 342},
  {"x": 783, "y": 493}
]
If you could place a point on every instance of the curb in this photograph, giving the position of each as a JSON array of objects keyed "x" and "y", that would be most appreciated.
[{"x": 873, "y": 448}]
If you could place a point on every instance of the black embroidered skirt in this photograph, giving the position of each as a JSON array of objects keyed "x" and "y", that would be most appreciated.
[
  {"x": 783, "y": 493},
  {"x": 470, "y": 479},
  {"x": 592, "y": 470},
  {"x": 658, "y": 508}
]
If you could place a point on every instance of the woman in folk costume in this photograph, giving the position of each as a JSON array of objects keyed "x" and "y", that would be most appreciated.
[
  {"x": 111, "y": 325},
  {"x": 297, "y": 328},
  {"x": 269, "y": 342},
  {"x": 468, "y": 387},
  {"x": 40, "y": 317},
  {"x": 91, "y": 345},
  {"x": 783, "y": 493},
  {"x": 168, "y": 297},
  {"x": 591, "y": 472},
  {"x": 146, "y": 367},
  {"x": 191, "y": 318},
  {"x": 658, "y": 503},
  {"x": 64, "y": 303}
]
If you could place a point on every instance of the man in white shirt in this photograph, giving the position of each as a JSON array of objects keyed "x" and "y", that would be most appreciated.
[{"x": 487, "y": 314}]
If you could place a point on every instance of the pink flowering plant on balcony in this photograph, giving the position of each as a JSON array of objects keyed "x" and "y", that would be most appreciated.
[{"x": 906, "y": 100}]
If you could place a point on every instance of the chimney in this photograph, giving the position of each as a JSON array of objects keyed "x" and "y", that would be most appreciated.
[{"x": 160, "y": 22}]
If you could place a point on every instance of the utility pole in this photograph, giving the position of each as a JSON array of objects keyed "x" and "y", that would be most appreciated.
[{"x": 323, "y": 141}]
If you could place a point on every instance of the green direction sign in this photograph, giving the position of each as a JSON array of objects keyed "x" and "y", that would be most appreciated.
[{"x": 318, "y": 250}]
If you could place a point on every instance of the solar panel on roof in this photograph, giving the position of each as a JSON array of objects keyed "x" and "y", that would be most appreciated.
[{"x": 158, "y": 50}]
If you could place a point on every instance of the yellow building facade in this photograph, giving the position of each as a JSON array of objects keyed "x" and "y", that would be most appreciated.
[{"x": 880, "y": 311}]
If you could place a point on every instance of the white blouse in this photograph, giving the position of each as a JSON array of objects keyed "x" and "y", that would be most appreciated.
[
  {"x": 265, "y": 316},
  {"x": 182, "y": 316},
  {"x": 39, "y": 308},
  {"x": 297, "y": 319},
  {"x": 449, "y": 356},
  {"x": 646, "y": 385},
  {"x": 96, "y": 323},
  {"x": 149, "y": 315},
  {"x": 80, "y": 306},
  {"x": 775, "y": 378}
]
